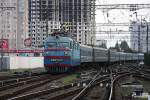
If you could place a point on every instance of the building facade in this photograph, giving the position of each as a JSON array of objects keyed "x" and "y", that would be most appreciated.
[
  {"x": 22, "y": 23},
  {"x": 12, "y": 18},
  {"x": 75, "y": 17},
  {"x": 139, "y": 34},
  {"x": 9, "y": 20}
]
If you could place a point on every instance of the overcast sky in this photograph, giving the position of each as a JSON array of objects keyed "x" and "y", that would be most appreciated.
[
  {"x": 118, "y": 16},
  {"x": 123, "y": 1}
]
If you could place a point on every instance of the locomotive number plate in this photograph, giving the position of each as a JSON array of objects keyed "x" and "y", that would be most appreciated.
[{"x": 56, "y": 60}]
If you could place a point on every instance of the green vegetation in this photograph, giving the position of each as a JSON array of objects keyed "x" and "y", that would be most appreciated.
[
  {"x": 145, "y": 84},
  {"x": 117, "y": 46},
  {"x": 140, "y": 98},
  {"x": 123, "y": 46},
  {"x": 69, "y": 79},
  {"x": 126, "y": 91},
  {"x": 147, "y": 59}
]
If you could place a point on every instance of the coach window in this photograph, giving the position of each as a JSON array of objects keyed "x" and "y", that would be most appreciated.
[
  {"x": 77, "y": 46},
  {"x": 74, "y": 45},
  {"x": 70, "y": 45}
]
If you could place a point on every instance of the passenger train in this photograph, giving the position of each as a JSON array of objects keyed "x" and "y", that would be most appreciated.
[{"x": 63, "y": 54}]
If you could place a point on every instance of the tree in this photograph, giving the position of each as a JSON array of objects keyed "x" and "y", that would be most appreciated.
[
  {"x": 124, "y": 46},
  {"x": 117, "y": 46}
]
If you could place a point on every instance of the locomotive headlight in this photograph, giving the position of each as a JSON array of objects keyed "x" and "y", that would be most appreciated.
[{"x": 66, "y": 53}]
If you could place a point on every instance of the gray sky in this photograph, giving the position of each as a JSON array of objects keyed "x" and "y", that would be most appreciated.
[
  {"x": 123, "y": 1},
  {"x": 118, "y": 16},
  {"x": 121, "y": 15}
]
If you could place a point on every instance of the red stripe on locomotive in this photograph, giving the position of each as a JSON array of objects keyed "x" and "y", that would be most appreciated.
[
  {"x": 57, "y": 57},
  {"x": 59, "y": 65}
]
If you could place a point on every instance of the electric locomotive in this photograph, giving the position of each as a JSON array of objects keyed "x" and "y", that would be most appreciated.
[{"x": 61, "y": 54}]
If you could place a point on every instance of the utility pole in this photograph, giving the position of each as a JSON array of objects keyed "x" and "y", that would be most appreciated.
[
  {"x": 1, "y": 52},
  {"x": 147, "y": 37},
  {"x": 93, "y": 52},
  {"x": 139, "y": 38},
  {"x": 46, "y": 18}
]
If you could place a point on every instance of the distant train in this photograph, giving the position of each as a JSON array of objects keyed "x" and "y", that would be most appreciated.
[{"x": 63, "y": 54}]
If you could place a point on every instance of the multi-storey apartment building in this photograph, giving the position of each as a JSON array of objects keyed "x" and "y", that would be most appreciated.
[
  {"x": 13, "y": 19},
  {"x": 22, "y": 23},
  {"x": 8, "y": 20},
  {"x": 76, "y": 17},
  {"x": 139, "y": 33}
]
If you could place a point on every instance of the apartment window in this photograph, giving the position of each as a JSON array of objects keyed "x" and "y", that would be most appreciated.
[
  {"x": 8, "y": 31},
  {"x": 8, "y": 13}
]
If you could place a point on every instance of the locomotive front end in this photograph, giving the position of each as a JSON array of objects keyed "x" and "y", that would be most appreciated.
[{"x": 57, "y": 56}]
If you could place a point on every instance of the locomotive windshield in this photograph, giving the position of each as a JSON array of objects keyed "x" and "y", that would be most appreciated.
[
  {"x": 63, "y": 45},
  {"x": 57, "y": 45},
  {"x": 51, "y": 44}
]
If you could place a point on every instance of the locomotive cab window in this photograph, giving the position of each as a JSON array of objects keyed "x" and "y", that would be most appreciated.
[
  {"x": 51, "y": 44},
  {"x": 63, "y": 44}
]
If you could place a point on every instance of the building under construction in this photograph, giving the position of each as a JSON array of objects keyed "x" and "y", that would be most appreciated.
[{"x": 75, "y": 17}]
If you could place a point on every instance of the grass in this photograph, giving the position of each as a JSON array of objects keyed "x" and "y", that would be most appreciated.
[
  {"x": 36, "y": 70},
  {"x": 69, "y": 79},
  {"x": 145, "y": 84},
  {"x": 126, "y": 91},
  {"x": 19, "y": 70},
  {"x": 140, "y": 99}
]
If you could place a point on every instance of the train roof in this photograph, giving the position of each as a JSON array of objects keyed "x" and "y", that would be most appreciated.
[
  {"x": 59, "y": 38},
  {"x": 86, "y": 46}
]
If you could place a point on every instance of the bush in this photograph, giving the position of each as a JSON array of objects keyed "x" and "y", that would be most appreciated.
[{"x": 147, "y": 59}]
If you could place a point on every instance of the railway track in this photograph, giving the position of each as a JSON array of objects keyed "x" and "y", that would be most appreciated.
[
  {"x": 135, "y": 71},
  {"x": 108, "y": 91},
  {"x": 19, "y": 88},
  {"x": 53, "y": 93},
  {"x": 36, "y": 87},
  {"x": 72, "y": 91},
  {"x": 16, "y": 80}
]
